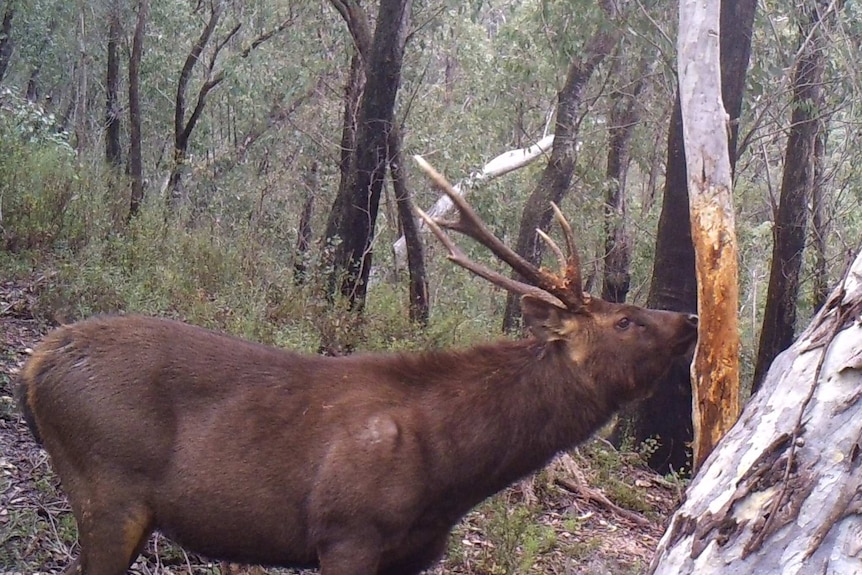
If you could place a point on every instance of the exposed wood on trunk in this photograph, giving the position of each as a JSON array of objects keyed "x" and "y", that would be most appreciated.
[
  {"x": 781, "y": 492},
  {"x": 705, "y": 131},
  {"x": 136, "y": 168},
  {"x": 667, "y": 415},
  {"x": 789, "y": 230},
  {"x": 557, "y": 176}
]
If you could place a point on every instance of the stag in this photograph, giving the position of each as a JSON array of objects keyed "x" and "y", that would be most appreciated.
[{"x": 358, "y": 465}]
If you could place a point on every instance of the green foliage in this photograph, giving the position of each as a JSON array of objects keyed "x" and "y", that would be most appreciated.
[
  {"x": 609, "y": 464},
  {"x": 47, "y": 200},
  {"x": 515, "y": 537}
]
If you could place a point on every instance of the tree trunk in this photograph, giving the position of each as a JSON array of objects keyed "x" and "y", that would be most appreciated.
[
  {"x": 31, "y": 92},
  {"x": 779, "y": 317},
  {"x": 82, "y": 96},
  {"x": 183, "y": 128},
  {"x": 557, "y": 176},
  {"x": 303, "y": 229},
  {"x": 113, "y": 154},
  {"x": 415, "y": 257},
  {"x": 623, "y": 118},
  {"x": 705, "y": 130},
  {"x": 667, "y": 415},
  {"x": 819, "y": 222},
  {"x": 351, "y": 224},
  {"x": 353, "y": 90},
  {"x": 6, "y": 44},
  {"x": 781, "y": 492},
  {"x": 136, "y": 170}
]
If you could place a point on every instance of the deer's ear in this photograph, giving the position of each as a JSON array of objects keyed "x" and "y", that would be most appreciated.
[{"x": 547, "y": 321}]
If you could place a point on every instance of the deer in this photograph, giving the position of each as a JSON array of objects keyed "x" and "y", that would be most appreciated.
[{"x": 354, "y": 465}]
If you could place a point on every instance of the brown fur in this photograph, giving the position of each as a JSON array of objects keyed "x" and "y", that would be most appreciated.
[{"x": 357, "y": 464}]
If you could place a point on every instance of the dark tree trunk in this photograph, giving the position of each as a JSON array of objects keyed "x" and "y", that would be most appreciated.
[
  {"x": 183, "y": 128},
  {"x": 667, "y": 415},
  {"x": 31, "y": 92},
  {"x": 819, "y": 222},
  {"x": 6, "y": 44},
  {"x": 623, "y": 118},
  {"x": 415, "y": 256},
  {"x": 779, "y": 317},
  {"x": 354, "y": 213},
  {"x": 352, "y": 94},
  {"x": 557, "y": 176},
  {"x": 136, "y": 170},
  {"x": 113, "y": 153},
  {"x": 304, "y": 232}
]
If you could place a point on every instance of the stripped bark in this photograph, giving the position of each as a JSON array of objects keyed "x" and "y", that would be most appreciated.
[
  {"x": 667, "y": 415},
  {"x": 705, "y": 130}
]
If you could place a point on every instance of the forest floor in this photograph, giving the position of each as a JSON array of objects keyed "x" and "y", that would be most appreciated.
[{"x": 592, "y": 512}]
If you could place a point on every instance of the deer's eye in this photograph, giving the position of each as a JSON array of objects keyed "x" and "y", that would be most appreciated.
[{"x": 624, "y": 323}]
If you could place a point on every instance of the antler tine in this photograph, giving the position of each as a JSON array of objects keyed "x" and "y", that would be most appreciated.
[
  {"x": 552, "y": 245},
  {"x": 469, "y": 224},
  {"x": 458, "y": 257},
  {"x": 572, "y": 267}
]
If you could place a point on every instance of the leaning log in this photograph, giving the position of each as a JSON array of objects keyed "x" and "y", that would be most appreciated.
[{"x": 782, "y": 492}]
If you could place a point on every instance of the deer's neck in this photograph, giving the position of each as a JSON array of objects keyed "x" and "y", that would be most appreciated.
[{"x": 506, "y": 411}]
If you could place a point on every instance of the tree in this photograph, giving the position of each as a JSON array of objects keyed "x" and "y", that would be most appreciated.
[
  {"x": 557, "y": 175},
  {"x": 303, "y": 228},
  {"x": 622, "y": 119},
  {"x": 716, "y": 361},
  {"x": 780, "y": 494},
  {"x": 797, "y": 189},
  {"x": 113, "y": 152},
  {"x": 214, "y": 75},
  {"x": 667, "y": 415},
  {"x": 136, "y": 170},
  {"x": 352, "y": 220},
  {"x": 183, "y": 127},
  {"x": 6, "y": 44},
  {"x": 419, "y": 306}
]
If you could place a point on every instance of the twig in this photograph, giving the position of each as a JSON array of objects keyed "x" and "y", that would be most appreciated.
[{"x": 600, "y": 498}]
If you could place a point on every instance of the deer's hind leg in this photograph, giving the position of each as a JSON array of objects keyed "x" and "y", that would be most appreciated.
[{"x": 111, "y": 535}]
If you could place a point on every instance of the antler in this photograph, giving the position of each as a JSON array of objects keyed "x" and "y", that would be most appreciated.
[{"x": 562, "y": 290}]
